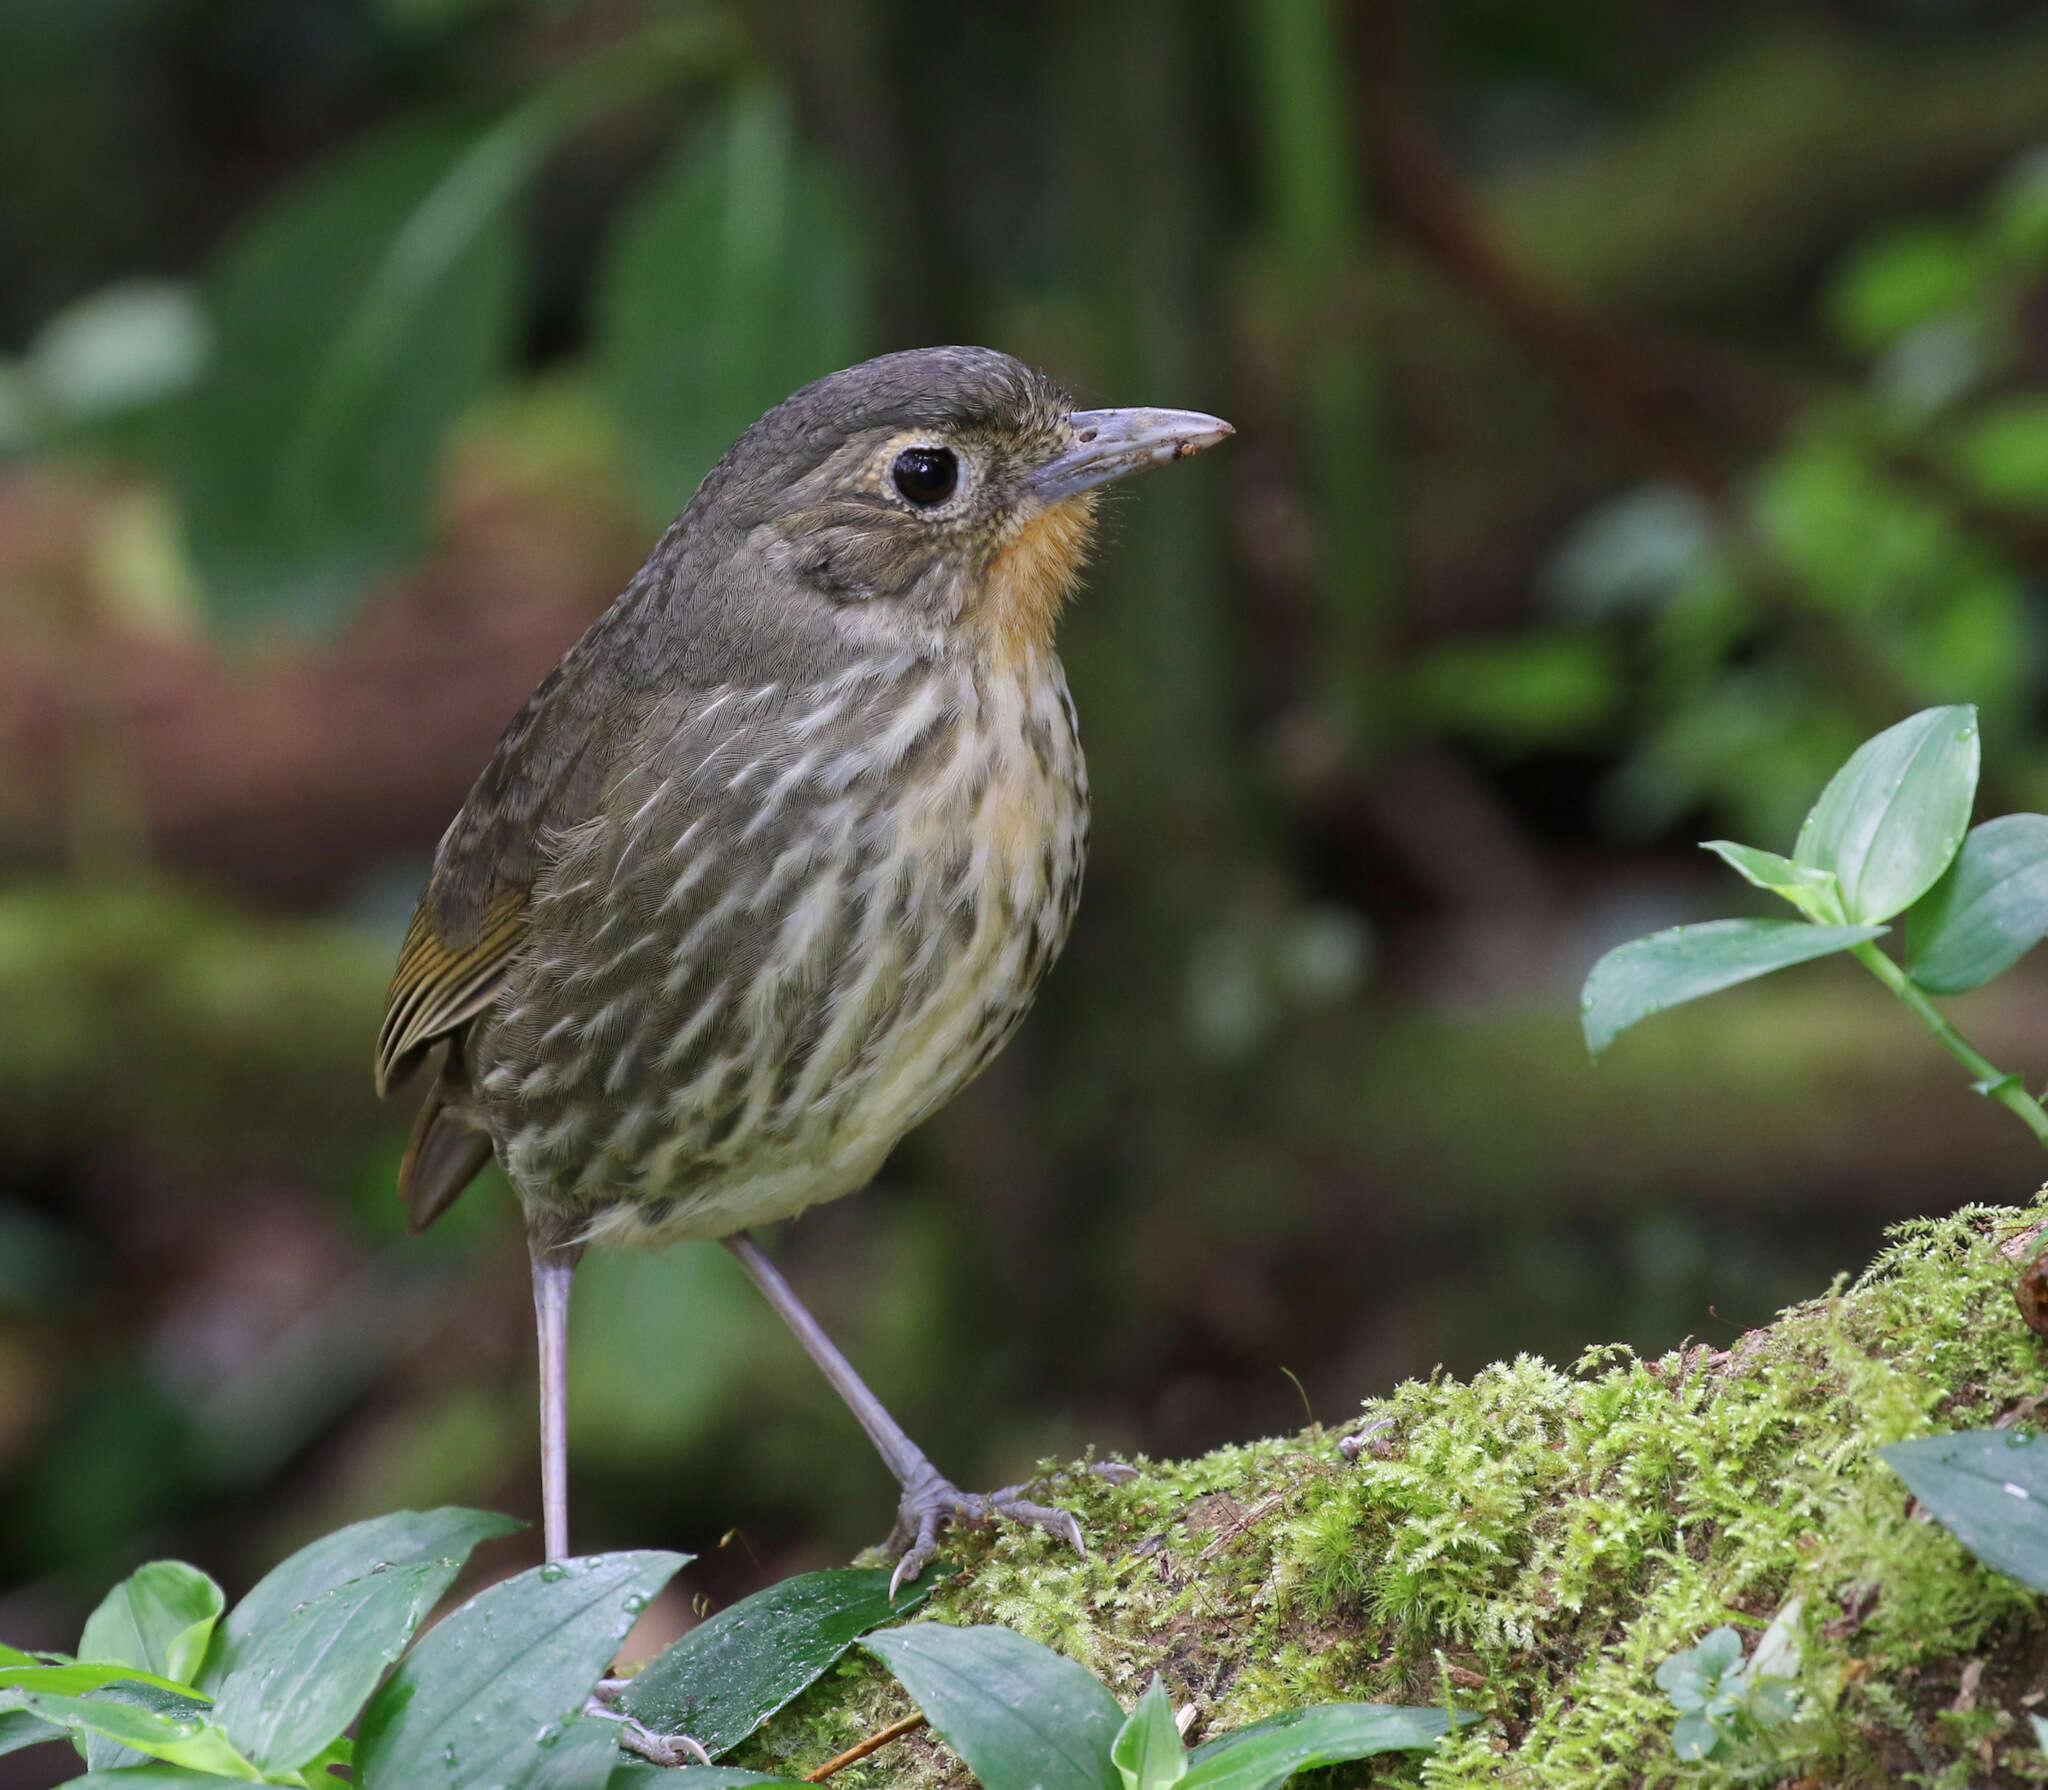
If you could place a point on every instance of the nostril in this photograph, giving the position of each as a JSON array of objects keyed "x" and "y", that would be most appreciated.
[{"x": 1086, "y": 435}]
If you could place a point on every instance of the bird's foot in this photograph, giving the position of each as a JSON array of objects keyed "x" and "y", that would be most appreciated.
[
  {"x": 931, "y": 1501},
  {"x": 637, "y": 1737}
]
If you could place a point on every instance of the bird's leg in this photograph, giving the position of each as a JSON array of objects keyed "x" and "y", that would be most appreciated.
[
  {"x": 553, "y": 1265},
  {"x": 929, "y": 1498}
]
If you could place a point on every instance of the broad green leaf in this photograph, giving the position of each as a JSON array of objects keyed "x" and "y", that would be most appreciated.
[
  {"x": 1266, "y": 1754},
  {"x": 1813, "y": 892},
  {"x": 1990, "y": 1488},
  {"x": 404, "y": 1538},
  {"x": 75, "y": 1680},
  {"x": 347, "y": 343},
  {"x": 13, "y": 1656},
  {"x": 182, "y": 1738},
  {"x": 104, "y": 1750},
  {"x": 638, "y": 1776},
  {"x": 1645, "y": 976},
  {"x": 1147, "y": 1752},
  {"x": 1987, "y": 912},
  {"x": 19, "y": 1729},
  {"x": 160, "y": 1618},
  {"x": 579, "y": 1754},
  {"x": 302, "y": 1682},
  {"x": 473, "y": 1702},
  {"x": 738, "y": 273},
  {"x": 1891, "y": 818},
  {"x": 1021, "y": 1716},
  {"x": 1694, "y": 1736},
  {"x": 725, "y": 1677}
]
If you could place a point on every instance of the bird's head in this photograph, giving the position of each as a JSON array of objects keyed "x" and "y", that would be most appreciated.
[{"x": 941, "y": 500}]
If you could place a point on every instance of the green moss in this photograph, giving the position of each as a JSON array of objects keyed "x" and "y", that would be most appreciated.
[{"x": 1533, "y": 1542}]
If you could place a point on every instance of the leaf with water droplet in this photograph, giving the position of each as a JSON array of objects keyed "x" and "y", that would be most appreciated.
[
  {"x": 1966, "y": 1481},
  {"x": 521, "y": 1655},
  {"x": 300, "y": 1684},
  {"x": 1889, "y": 820},
  {"x": 138, "y": 1719},
  {"x": 404, "y": 1538},
  {"x": 733, "y": 1671}
]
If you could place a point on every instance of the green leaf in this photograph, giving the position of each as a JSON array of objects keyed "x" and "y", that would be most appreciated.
[
  {"x": 160, "y": 1618},
  {"x": 1147, "y": 1752},
  {"x": 725, "y": 1677},
  {"x": 306, "y": 460},
  {"x": 1891, "y": 818},
  {"x": 474, "y": 1701},
  {"x": 1694, "y": 1736},
  {"x": 1021, "y": 1716},
  {"x": 1645, "y": 976},
  {"x": 1266, "y": 1754},
  {"x": 19, "y": 1729},
  {"x": 77, "y": 1679},
  {"x": 1990, "y": 1489},
  {"x": 1987, "y": 912},
  {"x": 740, "y": 272},
  {"x": 356, "y": 320},
  {"x": 579, "y": 1754},
  {"x": 403, "y": 1538},
  {"x": 182, "y": 1736},
  {"x": 302, "y": 1682},
  {"x": 1814, "y": 893}
]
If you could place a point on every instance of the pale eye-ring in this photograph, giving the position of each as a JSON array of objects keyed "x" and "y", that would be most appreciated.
[{"x": 926, "y": 476}]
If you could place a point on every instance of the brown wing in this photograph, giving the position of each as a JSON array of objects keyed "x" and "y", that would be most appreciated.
[
  {"x": 438, "y": 986},
  {"x": 470, "y": 921}
]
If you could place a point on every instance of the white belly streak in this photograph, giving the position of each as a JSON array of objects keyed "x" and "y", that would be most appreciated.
[{"x": 1021, "y": 832}]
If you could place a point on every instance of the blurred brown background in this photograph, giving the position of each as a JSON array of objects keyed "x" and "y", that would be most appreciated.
[{"x": 1638, "y": 403}]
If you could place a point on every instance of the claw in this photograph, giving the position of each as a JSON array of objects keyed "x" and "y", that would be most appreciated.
[
  {"x": 636, "y": 1737},
  {"x": 933, "y": 1501}
]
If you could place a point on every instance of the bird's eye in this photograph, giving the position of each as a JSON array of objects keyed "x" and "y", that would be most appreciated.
[{"x": 926, "y": 475}]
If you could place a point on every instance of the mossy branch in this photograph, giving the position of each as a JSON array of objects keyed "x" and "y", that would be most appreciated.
[{"x": 1533, "y": 1542}]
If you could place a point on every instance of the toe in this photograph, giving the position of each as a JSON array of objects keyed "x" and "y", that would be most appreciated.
[{"x": 1048, "y": 1517}]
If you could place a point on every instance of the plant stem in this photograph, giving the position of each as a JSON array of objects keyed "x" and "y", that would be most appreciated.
[{"x": 2005, "y": 1089}]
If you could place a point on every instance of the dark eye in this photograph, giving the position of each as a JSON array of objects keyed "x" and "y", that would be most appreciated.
[{"x": 926, "y": 475}]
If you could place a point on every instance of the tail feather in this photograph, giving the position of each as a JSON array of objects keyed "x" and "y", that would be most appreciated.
[{"x": 442, "y": 1159}]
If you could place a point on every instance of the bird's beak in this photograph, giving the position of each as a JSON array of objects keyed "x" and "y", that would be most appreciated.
[{"x": 1109, "y": 444}]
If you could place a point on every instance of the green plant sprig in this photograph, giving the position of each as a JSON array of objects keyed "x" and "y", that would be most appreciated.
[{"x": 1886, "y": 840}]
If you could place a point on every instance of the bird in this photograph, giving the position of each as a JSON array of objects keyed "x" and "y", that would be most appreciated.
[{"x": 774, "y": 860}]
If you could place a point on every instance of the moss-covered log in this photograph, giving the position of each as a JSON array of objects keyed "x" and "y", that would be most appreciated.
[{"x": 1532, "y": 1543}]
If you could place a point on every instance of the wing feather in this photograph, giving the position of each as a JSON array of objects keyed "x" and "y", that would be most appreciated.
[{"x": 438, "y": 987}]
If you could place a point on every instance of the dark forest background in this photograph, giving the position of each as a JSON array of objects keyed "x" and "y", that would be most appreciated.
[{"x": 1638, "y": 404}]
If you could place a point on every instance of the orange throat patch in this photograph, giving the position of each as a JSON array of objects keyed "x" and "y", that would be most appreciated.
[{"x": 1032, "y": 576}]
